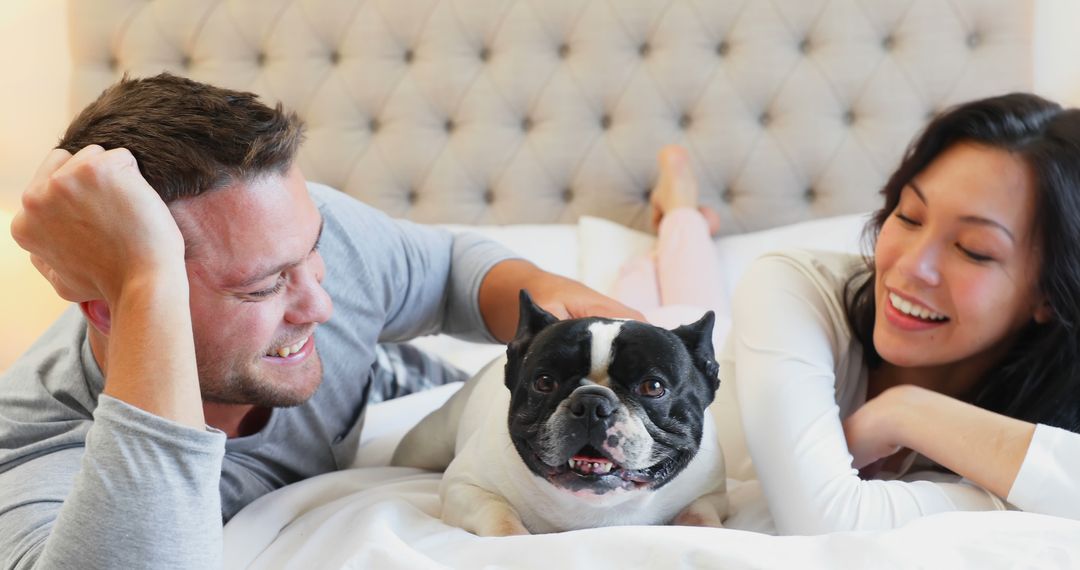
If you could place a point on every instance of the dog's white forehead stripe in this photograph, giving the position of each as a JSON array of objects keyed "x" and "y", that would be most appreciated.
[{"x": 603, "y": 336}]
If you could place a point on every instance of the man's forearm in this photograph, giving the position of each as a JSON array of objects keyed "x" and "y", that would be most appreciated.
[
  {"x": 151, "y": 356},
  {"x": 562, "y": 297},
  {"x": 499, "y": 295},
  {"x": 982, "y": 446}
]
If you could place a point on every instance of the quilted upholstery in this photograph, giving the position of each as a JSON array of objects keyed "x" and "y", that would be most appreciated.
[{"x": 503, "y": 111}]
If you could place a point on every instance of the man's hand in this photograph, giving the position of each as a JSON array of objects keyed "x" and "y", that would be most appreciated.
[
  {"x": 97, "y": 231},
  {"x": 92, "y": 224},
  {"x": 562, "y": 297}
]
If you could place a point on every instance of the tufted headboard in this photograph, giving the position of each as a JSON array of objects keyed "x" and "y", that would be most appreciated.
[{"x": 539, "y": 111}]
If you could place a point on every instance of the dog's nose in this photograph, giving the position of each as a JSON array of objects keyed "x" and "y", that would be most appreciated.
[{"x": 592, "y": 404}]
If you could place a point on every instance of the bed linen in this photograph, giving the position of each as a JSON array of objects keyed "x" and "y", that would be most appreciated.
[{"x": 375, "y": 516}]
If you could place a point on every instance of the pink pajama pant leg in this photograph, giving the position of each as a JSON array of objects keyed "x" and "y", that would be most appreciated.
[{"x": 680, "y": 280}]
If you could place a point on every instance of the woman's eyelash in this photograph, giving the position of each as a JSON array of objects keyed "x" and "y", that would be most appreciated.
[
  {"x": 906, "y": 219},
  {"x": 972, "y": 255}
]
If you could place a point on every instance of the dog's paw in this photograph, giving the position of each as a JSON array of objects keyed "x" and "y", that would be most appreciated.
[
  {"x": 480, "y": 511},
  {"x": 504, "y": 527},
  {"x": 710, "y": 510}
]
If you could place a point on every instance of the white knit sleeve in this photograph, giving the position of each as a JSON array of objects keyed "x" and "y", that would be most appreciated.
[
  {"x": 786, "y": 336},
  {"x": 1048, "y": 481}
]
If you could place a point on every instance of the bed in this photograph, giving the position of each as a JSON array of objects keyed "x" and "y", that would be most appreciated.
[{"x": 537, "y": 122}]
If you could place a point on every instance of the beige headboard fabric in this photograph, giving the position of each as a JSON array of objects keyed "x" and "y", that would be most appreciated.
[{"x": 539, "y": 111}]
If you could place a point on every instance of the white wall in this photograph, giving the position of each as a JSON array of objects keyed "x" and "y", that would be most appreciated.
[
  {"x": 1057, "y": 50},
  {"x": 33, "y": 87}
]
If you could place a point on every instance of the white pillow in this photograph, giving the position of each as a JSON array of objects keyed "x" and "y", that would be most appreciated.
[
  {"x": 604, "y": 246},
  {"x": 839, "y": 233},
  {"x": 552, "y": 247}
]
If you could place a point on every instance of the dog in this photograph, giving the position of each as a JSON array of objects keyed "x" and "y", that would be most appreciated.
[{"x": 586, "y": 422}]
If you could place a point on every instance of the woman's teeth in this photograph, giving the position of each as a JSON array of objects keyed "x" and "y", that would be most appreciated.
[
  {"x": 914, "y": 310},
  {"x": 287, "y": 350}
]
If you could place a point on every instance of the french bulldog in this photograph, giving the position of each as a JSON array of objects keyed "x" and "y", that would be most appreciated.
[{"x": 585, "y": 423}]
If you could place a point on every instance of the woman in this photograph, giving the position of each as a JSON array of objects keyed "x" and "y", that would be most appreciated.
[{"x": 957, "y": 340}]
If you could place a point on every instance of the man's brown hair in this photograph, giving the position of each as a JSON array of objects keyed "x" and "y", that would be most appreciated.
[{"x": 188, "y": 137}]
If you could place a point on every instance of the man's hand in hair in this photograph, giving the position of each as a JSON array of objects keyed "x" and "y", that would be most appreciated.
[{"x": 92, "y": 224}]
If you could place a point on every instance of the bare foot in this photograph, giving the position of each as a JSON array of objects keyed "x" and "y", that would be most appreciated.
[
  {"x": 712, "y": 218},
  {"x": 677, "y": 188}
]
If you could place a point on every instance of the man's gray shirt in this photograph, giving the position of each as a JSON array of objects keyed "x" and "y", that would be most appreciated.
[{"x": 88, "y": 481}]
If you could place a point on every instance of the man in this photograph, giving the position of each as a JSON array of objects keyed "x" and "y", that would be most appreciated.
[{"x": 205, "y": 369}]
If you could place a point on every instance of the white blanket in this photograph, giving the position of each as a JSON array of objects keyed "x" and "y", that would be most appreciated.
[
  {"x": 387, "y": 518},
  {"x": 373, "y": 516}
]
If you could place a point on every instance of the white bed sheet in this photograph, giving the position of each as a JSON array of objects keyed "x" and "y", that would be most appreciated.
[
  {"x": 386, "y": 518},
  {"x": 374, "y": 516}
]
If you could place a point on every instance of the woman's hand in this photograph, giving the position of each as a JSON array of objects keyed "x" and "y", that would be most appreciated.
[
  {"x": 982, "y": 446},
  {"x": 870, "y": 432}
]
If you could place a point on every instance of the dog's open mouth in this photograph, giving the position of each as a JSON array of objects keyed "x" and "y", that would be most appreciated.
[
  {"x": 589, "y": 461},
  {"x": 590, "y": 465}
]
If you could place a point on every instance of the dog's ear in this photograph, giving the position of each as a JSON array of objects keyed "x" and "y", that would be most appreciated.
[
  {"x": 697, "y": 337},
  {"x": 531, "y": 320}
]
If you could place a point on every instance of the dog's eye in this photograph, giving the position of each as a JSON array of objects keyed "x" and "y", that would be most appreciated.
[
  {"x": 544, "y": 383},
  {"x": 651, "y": 388}
]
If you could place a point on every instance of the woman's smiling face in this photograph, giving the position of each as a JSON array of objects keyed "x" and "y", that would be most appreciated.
[{"x": 957, "y": 261}]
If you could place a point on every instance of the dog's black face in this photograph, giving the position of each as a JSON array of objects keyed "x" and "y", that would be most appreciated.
[{"x": 599, "y": 405}]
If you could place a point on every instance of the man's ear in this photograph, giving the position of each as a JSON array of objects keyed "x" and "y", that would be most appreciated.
[
  {"x": 98, "y": 315},
  {"x": 697, "y": 337}
]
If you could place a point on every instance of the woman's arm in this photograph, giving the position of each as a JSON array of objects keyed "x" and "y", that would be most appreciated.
[
  {"x": 1033, "y": 466},
  {"x": 790, "y": 355}
]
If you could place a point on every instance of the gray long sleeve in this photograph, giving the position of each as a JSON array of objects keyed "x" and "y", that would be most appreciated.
[
  {"x": 88, "y": 481},
  {"x": 145, "y": 496}
]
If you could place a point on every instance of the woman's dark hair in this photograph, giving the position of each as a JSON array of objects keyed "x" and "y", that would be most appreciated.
[{"x": 1038, "y": 380}]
